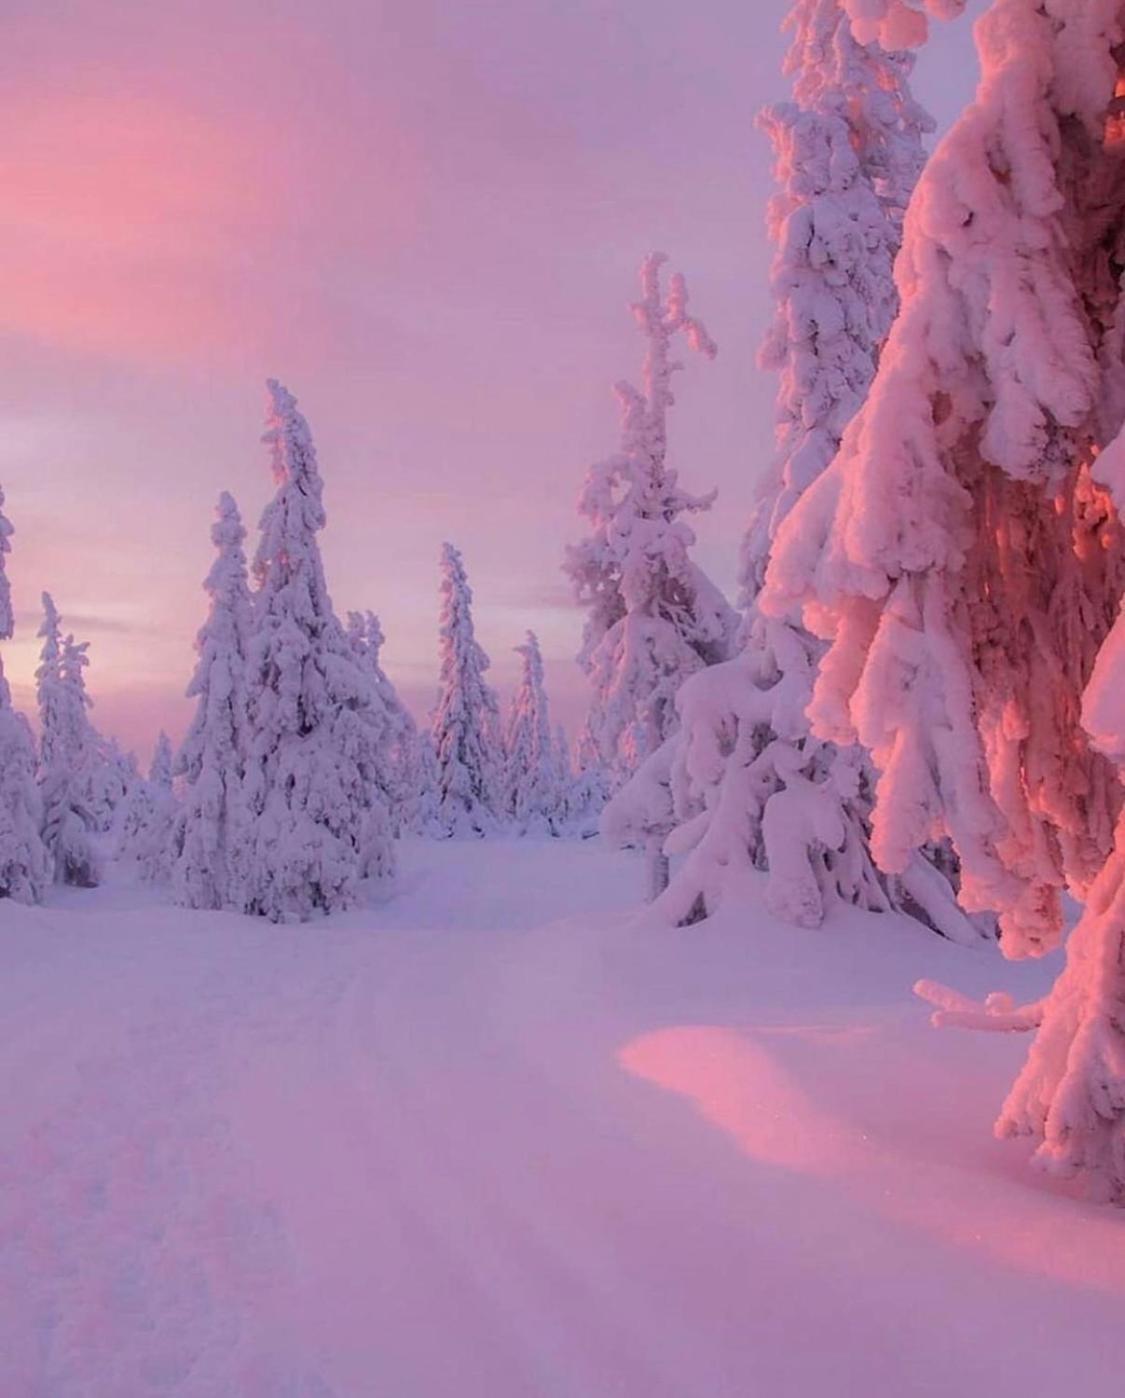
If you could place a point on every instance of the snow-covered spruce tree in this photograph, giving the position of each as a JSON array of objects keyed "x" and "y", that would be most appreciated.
[
  {"x": 398, "y": 772},
  {"x": 743, "y": 785},
  {"x": 316, "y": 823},
  {"x": 654, "y": 617},
  {"x": 152, "y": 817},
  {"x": 465, "y": 724},
  {"x": 210, "y": 829},
  {"x": 423, "y": 807},
  {"x": 534, "y": 785},
  {"x": 963, "y": 556},
  {"x": 108, "y": 780},
  {"x": 25, "y": 864},
  {"x": 64, "y": 743}
]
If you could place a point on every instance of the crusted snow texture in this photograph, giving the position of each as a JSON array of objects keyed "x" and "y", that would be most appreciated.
[
  {"x": 25, "y": 863},
  {"x": 317, "y": 825},
  {"x": 963, "y": 555},
  {"x": 744, "y": 785},
  {"x": 208, "y": 838},
  {"x": 897, "y": 24},
  {"x": 65, "y": 740},
  {"x": 535, "y": 780},
  {"x": 465, "y": 725},
  {"x": 397, "y": 775},
  {"x": 654, "y": 617}
]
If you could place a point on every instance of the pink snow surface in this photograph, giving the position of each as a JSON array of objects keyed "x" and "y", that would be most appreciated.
[{"x": 431, "y": 1152}]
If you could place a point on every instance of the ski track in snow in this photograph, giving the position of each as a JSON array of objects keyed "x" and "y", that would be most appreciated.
[{"x": 431, "y": 1151}]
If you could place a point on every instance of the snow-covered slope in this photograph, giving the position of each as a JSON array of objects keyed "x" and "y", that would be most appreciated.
[{"x": 429, "y": 1151}]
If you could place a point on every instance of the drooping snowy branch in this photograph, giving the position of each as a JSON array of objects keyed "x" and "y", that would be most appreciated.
[{"x": 997, "y": 1013}]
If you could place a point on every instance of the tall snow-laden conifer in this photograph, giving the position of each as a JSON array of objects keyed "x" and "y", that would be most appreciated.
[
  {"x": 316, "y": 823},
  {"x": 210, "y": 830},
  {"x": 654, "y": 617},
  {"x": 398, "y": 766},
  {"x": 465, "y": 724},
  {"x": 65, "y": 739},
  {"x": 108, "y": 780},
  {"x": 25, "y": 863},
  {"x": 963, "y": 555},
  {"x": 155, "y": 816},
  {"x": 534, "y": 784},
  {"x": 743, "y": 785}
]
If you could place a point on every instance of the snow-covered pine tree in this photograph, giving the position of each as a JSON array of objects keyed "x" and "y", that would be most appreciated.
[
  {"x": 534, "y": 787},
  {"x": 25, "y": 864},
  {"x": 654, "y": 617},
  {"x": 743, "y": 785},
  {"x": 317, "y": 826},
  {"x": 398, "y": 774},
  {"x": 210, "y": 828},
  {"x": 464, "y": 727},
  {"x": 963, "y": 556},
  {"x": 64, "y": 743}
]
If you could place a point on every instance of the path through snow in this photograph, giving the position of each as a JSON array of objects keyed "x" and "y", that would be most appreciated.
[{"x": 431, "y": 1152}]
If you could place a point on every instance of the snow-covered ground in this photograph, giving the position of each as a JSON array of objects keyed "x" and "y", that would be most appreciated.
[{"x": 441, "y": 1151}]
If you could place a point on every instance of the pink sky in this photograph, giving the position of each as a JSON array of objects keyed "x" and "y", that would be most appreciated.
[{"x": 426, "y": 218}]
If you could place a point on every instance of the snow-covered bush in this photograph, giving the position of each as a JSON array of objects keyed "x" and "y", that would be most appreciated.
[
  {"x": 317, "y": 826},
  {"x": 654, "y": 617},
  {"x": 464, "y": 729},
  {"x": 963, "y": 556},
  {"x": 65, "y": 741}
]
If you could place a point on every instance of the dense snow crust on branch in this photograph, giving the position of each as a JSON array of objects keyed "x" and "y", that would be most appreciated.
[
  {"x": 465, "y": 725},
  {"x": 897, "y": 24},
  {"x": 654, "y": 617},
  {"x": 963, "y": 555},
  {"x": 65, "y": 738},
  {"x": 210, "y": 827},
  {"x": 317, "y": 825},
  {"x": 25, "y": 864},
  {"x": 743, "y": 785}
]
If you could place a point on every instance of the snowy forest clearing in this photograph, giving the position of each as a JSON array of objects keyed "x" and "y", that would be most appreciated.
[{"x": 429, "y": 1150}]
